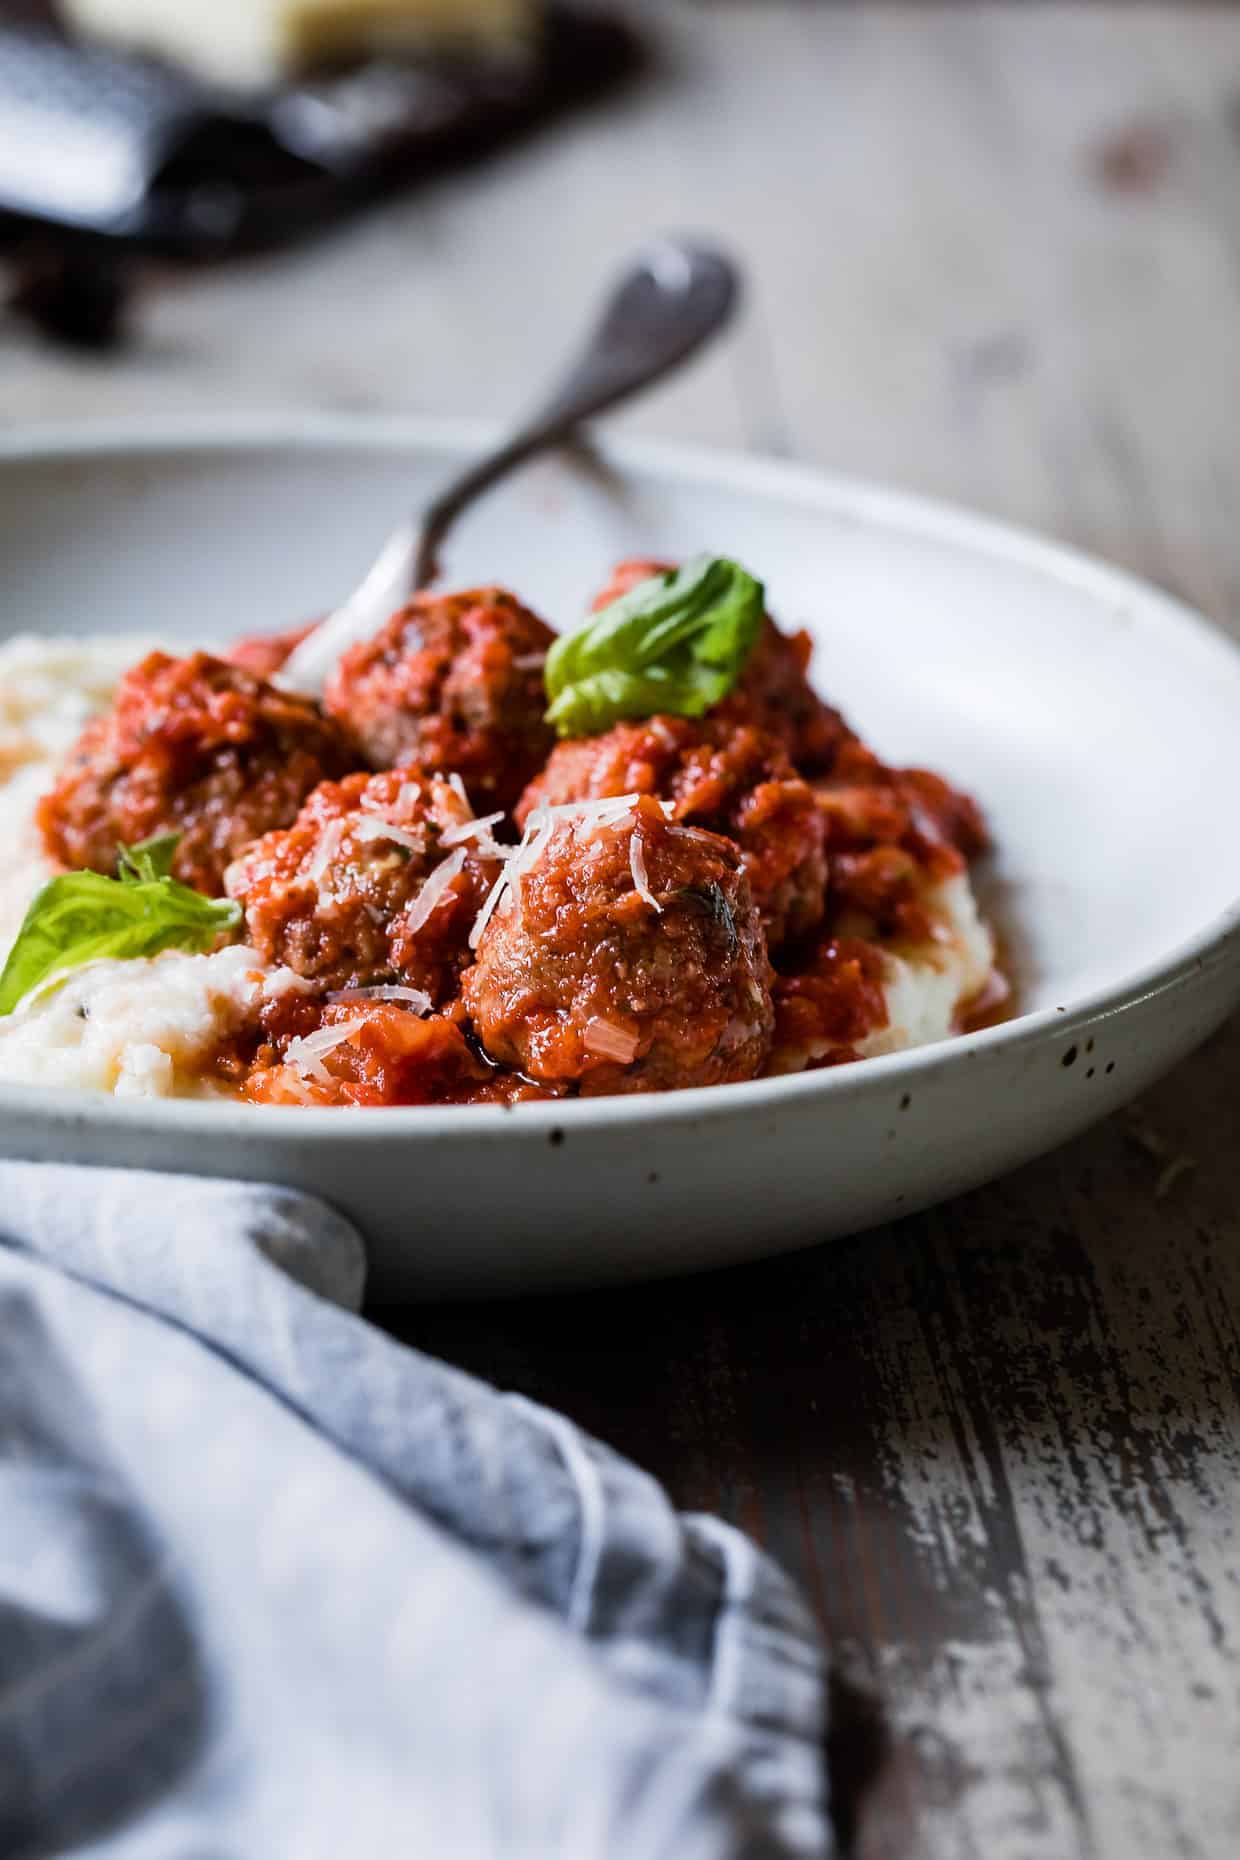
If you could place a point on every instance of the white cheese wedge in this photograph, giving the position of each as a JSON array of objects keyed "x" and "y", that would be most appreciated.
[{"x": 254, "y": 42}]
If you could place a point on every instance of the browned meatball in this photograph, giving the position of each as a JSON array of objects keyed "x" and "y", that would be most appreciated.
[
  {"x": 378, "y": 880},
  {"x": 194, "y": 746},
  {"x": 724, "y": 776},
  {"x": 626, "y": 955},
  {"x": 774, "y": 692},
  {"x": 453, "y": 682}
]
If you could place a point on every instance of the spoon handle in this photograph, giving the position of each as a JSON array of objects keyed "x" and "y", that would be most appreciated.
[{"x": 671, "y": 302}]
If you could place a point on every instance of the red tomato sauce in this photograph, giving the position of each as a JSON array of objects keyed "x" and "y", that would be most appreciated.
[{"x": 733, "y": 920}]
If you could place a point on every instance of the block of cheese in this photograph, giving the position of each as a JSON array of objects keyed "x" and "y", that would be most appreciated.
[{"x": 254, "y": 42}]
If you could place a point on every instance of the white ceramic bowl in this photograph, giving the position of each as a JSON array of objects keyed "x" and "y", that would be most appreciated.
[{"x": 1098, "y": 721}]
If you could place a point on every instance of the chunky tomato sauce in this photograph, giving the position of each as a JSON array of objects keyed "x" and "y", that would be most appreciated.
[
  {"x": 831, "y": 1001},
  {"x": 727, "y": 777},
  {"x": 695, "y": 900}
]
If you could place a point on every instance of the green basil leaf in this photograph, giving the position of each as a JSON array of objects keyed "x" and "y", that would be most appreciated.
[
  {"x": 81, "y": 917},
  {"x": 148, "y": 860},
  {"x": 676, "y": 643}
]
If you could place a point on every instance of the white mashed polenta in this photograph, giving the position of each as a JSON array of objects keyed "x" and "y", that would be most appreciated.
[
  {"x": 49, "y": 688},
  {"x": 142, "y": 1028},
  {"x": 925, "y": 987}
]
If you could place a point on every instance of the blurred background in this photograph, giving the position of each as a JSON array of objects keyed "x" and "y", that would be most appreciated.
[{"x": 991, "y": 251}]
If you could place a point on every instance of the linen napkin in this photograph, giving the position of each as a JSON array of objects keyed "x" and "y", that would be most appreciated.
[{"x": 272, "y": 1584}]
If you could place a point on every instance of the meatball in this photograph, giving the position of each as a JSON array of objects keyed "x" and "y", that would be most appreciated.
[
  {"x": 193, "y": 746},
  {"x": 453, "y": 682},
  {"x": 774, "y": 692},
  {"x": 626, "y": 955},
  {"x": 891, "y": 834},
  {"x": 731, "y": 779},
  {"x": 377, "y": 881},
  {"x": 265, "y": 654}
]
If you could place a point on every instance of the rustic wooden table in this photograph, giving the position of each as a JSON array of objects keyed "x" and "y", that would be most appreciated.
[{"x": 993, "y": 256}]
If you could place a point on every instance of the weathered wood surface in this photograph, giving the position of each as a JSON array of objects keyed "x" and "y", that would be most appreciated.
[
  {"x": 994, "y": 255},
  {"x": 999, "y": 1444}
]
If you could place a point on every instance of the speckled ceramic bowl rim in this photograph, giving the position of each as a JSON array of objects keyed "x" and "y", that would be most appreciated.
[{"x": 851, "y": 500}]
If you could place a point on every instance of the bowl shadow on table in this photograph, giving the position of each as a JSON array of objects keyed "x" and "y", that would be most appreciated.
[{"x": 881, "y": 1413}]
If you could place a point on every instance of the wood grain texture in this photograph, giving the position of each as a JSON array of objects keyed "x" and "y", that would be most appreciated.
[
  {"x": 999, "y": 1444},
  {"x": 995, "y": 255}
]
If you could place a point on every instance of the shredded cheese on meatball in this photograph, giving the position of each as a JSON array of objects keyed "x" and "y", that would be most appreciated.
[
  {"x": 326, "y": 850},
  {"x": 480, "y": 832},
  {"x": 432, "y": 893},
  {"x": 541, "y": 824},
  {"x": 416, "y": 998},
  {"x": 306, "y": 1053},
  {"x": 641, "y": 878},
  {"x": 374, "y": 827}
]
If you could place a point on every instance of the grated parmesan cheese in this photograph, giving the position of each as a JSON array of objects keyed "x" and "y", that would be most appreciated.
[
  {"x": 641, "y": 878},
  {"x": 375, "y": 827},
  {"x": 433, "y": 891},
  {"x": 584, "y": 819},
  {"x": 256, "y": 44},
  {"x": 489, "y": 906},
  {"x": 416, "y": 998},
  {"x": 479, "y": 830},
  {"x": 306, "y": 1053},
  {"x": 326, "y": 850}
]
